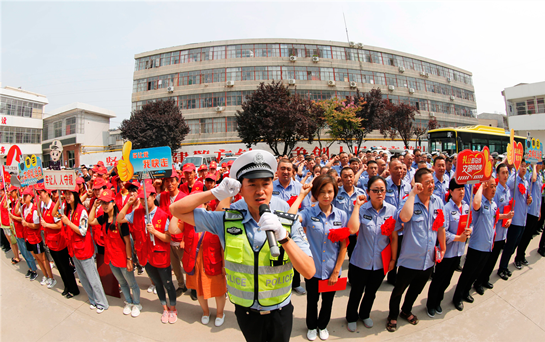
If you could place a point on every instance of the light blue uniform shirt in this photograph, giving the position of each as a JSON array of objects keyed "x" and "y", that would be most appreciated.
[
  {"x": 521, "y": 208},
  {"x": 482, "y": 237},
  {"x": 395, "y": 194},
  {"x": 501, "y": 198},
  {"x": 452, "y": 218},
  {"x": 323, "y": 163},
  {"x": 293, "y": 189},
  {"x": 441, "y": 188},
  {"x": 345, "y": 202},
  {"x": 367, "y": 252},
  {"x": 535, "y": 207},
  {"x": 339, "y": 168},
  {"x": 362, "y": 182},
  {"x": 300, "y": 178},
  {"x": 409, "y": 176},
  {"x": 467, "y": 194},
  {"x": 418, "y": 247},
  {"x": 449, "y": 175},
  {"x": 212, "y": 221},
  {"x": 324, "y": 251}
]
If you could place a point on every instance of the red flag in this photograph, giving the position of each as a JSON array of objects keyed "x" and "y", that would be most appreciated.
[{"x": 439, "y": 220}]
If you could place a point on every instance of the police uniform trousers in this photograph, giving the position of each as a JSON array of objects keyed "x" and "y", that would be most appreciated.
[
  {"x": 473, "y": 267},
  {"x": 362, "y": 280},
  {"x": 484, "y": 277},
  {"x": 315, "y": 320},
  {"x": 441, "y": 281},
  {"x": 527, "y": 235},
  {"x": 273, "y": 326},
  {"x": 415, "y": 280},
  {"x": 514, "y": 234}
]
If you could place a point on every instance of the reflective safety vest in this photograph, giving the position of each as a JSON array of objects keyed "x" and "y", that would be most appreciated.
[{"x": 255, "y": 276}]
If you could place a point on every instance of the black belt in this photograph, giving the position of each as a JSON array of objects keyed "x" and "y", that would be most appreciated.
[{"x": 259, "y": 312}]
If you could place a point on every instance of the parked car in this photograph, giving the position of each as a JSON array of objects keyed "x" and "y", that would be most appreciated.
[{"x": 199, "y": 159}]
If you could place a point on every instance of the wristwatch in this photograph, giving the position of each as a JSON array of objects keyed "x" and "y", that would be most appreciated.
[
  {"x": 129, "y": 259},
  {"x": 284, "y": 240}
]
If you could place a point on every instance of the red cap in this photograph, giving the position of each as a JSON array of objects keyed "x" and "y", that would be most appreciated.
[
  {"x": 213, "y": 165},
  {"x": 80, "y": 180},
  {"x": 202, "y": 167},
  {"x": 12, "y": 188},
  {"x": 100, "y": 163},
  {"x": 134, "y": 182},
  {"x": 99, "y": 183},
  {"x": 210, "y": 176},
  {"x": 189, "y": 167},
  {"x": 106, "y": 196},
  {"x": 102, "y": 170},
  {"x": 224, "y": 165},
  {"x": 149, "y": 190},
  {"x": 41, "y": 187},
  {"x": 28, "y": 191},
  {"x": 230, "y": 162}
]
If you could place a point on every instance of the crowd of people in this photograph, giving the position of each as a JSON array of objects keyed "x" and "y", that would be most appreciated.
[{"x": 400, "y": 217}]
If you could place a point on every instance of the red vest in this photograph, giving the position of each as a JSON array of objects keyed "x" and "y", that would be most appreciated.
[
  {"x": 33, "y": 236},
  {"x": 157, "y": 255},
  {"x": 19, "y": 229},
  {"x": 211, "y": 251},
  {"x": 80, "y": 246},
  {"x": 54, "y": 238},
  {"x": 197, "y": 186},
  {"x": 114, "y": 249},
  {"x": 121, "y": 203},
  {"x": 98, "y": 234},
  {"x": 164, "y": 203},
  {"x": 4, "y": 213}
]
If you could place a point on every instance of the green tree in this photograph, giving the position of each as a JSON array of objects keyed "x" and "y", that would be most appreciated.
[{"x": 158, "y": 123}]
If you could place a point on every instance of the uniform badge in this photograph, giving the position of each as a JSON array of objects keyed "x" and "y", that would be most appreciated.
[
  {"x": 337, "y": 223},
  {"x": 486, "y": 207},
  {"x": 502, "y": 199},
  {"x": 418, "y": 212},
  {"x": 390, "y": 190},
  {"x": 234, "y": 230},
  {"x": 467, "y": 211},
  {"x": 258, "y": 159},
  {"x": 276, "y": 192},
  {"x": 340, "y": 197},
  {"x": 315, "y": 219},
  {"x": 436, "y": 211},
  {"x": 367, "y": 217},
  {"x": 453, "y": 213}
]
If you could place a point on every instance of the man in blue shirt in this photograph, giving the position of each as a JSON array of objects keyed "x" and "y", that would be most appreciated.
[
  {"x": 345, "y": 200},
  {"x": 522, "y": 200},
  {"x": 418, "y": 213},
  {"x": 534, "y": 215},
  {"x": 484, "y": 211},
  {"x": 441, "y": 183},
  {"x": 372, "y": 170},
  {"x": 252, "y": 175}
]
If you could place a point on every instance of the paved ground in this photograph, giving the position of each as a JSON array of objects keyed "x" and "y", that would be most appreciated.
[{"x": 513, "y": 311}]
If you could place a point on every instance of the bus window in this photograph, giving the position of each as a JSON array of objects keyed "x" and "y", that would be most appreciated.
[
  {"x": 495, "y": 145},
  {"x": 478, "y": 144}
]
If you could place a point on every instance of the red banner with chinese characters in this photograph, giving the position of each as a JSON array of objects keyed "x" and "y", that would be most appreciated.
[{"x": 473, "y": 166}]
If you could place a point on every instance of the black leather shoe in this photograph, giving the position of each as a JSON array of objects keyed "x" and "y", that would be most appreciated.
[
  {"x": 69, "y": 295},
  {"x": 488, "y": 285},
  {"x": 518, "y": 265},
  {"x": 65, "y": 292},
  {"x": 502, "y": 274},
  {"x": 525, "y": 262},
  {"x": 459, "y": 306},
  {"x": 479, "y": 289},
  {"x": 509, "y": 273},
  {"x": 468, "y": 299}
]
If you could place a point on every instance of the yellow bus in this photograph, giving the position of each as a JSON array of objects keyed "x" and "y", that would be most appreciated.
[{"x": 455, "y": 139}]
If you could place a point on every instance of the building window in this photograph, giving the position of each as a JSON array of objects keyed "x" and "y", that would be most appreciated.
[
  {"x": 521, "y": 108},
  {"x": 57, "y": 127},
  {"x": 71, "y": 158},
  {"x": 531, "y": 106},
  {"x": 540, "y": 105},
  {"x": 231, "y": 124},
  {"x": 71, "y": 125},
  {"x": 194, "y": 126}
]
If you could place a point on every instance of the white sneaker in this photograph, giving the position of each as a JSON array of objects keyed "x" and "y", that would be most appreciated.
[
  {"x": 311, "y": 334},
  {"x": 205, "y": 319},
  {"x": 324, "y": 334},
  {"x": 100, "y": 310},
  {"x": 44, "y": 280},
  {"x": 92, "y": 307},
  {"x": 51, "y": 282},
  {"x": 136, "y": 310},
  {"x": 151, "y": 288},
  {"x": 52, "y": 264},
  {"x": 219, "y": 321},
  {"x": 154, "y": 290},
  {"x": 127, "y": 309}
]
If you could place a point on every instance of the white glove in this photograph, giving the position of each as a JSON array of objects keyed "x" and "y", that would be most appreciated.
[
  {"x": 228, "y": 187},
  {"x": 269, "y": 221}
]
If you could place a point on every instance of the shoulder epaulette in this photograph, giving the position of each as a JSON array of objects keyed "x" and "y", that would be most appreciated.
[
  {"x": 286, "y": 218},
  {"x": 233, "y": 215}
]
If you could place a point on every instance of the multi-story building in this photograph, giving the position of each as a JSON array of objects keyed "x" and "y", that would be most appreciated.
[
  {"x": 209, "y": 81},
  {"x": 21, "y": 124},
  {"x": 525, "y": 108},
  {"x": 83, "y": 131}
]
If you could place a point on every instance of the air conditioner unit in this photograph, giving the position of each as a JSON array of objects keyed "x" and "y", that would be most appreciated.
[
  {"x": 353, "y": 84},
  {"x": 219, "y": 109},
  {"x": 401, "y": 69},
  {"x": 230, "y": 83},
  {"x": 331, "y": 83},
  {"x": 352, "y": 44},
  {"x": 391, "y": 88},
  {"x": 359, "y": 46},
  {"x": 293, "y": 58},
  {"x": 449, "y": 79},
  {"x": 422, "y": 73},
  {"x": 291, "y": 82},
  {"x": 160, "y": 82},
  {"x": 452, "y": 97},
  {"x": 432, "y": 114},
  {"x": 411, "y": 90},
  {"x": 315, "y": 59},
  {"x": 170, "y": 89},
  {"x": 426, "y": 74}
]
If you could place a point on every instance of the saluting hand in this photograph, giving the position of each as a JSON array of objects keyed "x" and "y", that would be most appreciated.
[
  {"x": 305, "y": 189},
  {"x": 417, "y": 189},
  {"x": 360, "y": 200},
  {"x": 228, "y": 187}
]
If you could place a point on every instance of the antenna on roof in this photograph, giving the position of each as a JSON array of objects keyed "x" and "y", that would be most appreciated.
[{"x": 346, "y": 28}]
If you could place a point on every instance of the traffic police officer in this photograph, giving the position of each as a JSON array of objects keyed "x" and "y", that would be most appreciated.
[{"x": 262, "y": 301}]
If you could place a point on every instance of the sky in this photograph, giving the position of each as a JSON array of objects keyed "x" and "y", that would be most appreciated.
[{"x": 84, "y": 51}]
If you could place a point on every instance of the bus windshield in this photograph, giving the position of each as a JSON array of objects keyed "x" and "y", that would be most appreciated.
[{"x": 442, "y": 141}]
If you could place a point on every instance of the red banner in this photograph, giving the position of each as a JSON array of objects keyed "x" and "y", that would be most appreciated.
[{"x": 472, "y": 166}]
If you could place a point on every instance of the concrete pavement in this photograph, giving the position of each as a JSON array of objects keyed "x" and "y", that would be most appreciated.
[{"x": 513, "y": 311}]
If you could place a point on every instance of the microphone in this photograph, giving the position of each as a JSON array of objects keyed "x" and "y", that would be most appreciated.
[{"x": 273, "y": 245}]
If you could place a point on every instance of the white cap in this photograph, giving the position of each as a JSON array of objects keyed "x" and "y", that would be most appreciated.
[{"x": 254, "y": 164}]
